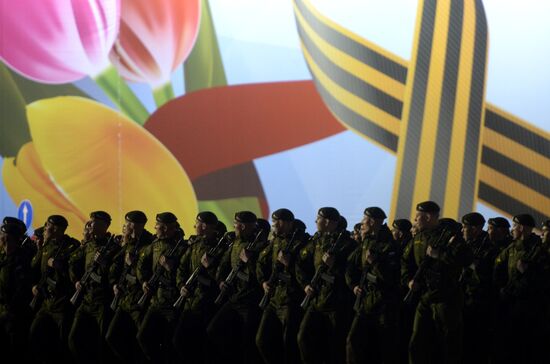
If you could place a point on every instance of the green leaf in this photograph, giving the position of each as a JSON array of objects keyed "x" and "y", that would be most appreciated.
[
  {"x": 14, "y": 130},
  {"x": 204, "y": 67},
  {"x": 225, "y": 209}
]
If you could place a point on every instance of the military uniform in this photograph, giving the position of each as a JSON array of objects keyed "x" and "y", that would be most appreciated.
[
  {"x": 127, "y": 317},
  {"x": 522, "y": 295},
  {"x": 322, "y": 333},
  {"x": 276, "y": 336},
  {"x": 374, "y": 330},
  {"x": 50, "y": 328},
  {"x": 156, "y": 329}
]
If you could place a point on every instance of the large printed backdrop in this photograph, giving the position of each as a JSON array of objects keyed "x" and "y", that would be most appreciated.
[{"x": 190, "y": 105}]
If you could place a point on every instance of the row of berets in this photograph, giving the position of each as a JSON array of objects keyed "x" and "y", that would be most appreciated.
[{"x": 435, "y": 290}]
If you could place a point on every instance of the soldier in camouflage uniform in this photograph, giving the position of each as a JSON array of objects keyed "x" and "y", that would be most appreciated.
[
  {"x": 442, "y": 254},
  {"x": 498, "y": 229},
  {"x": 160, "y": 260},
  {"x": 322, "y": 333},
  {"x": 127, "y": 289},
  {"x": 477, "y": 282},
  {"x": 522, "y": 274},
  {"x": 87, "y": 335},
  {"x": 545, "y": 235},
  {"x": 198, "y": 306},
  {"x": 276, "y": 337},
  {"x": 14, "y": 292},
  {"x": 52, "y": 285},
  {"x": 372, "y": 274},
  {"x": 240, "y": 315}
]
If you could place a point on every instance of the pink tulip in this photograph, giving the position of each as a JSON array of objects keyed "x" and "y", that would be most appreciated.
[
  {"x": 155, "y": 38},
  {"x": 58, "y": 41}
]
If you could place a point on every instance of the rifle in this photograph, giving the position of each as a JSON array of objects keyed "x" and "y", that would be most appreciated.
[
  {"x": 193, "y": 279},
  {"x": 466, "y": 273},
  {"x": 277, "y": 269},
  {"x": 153, "y": 282},
  {"x": 421, "y": 271},
  {"x": 229, "y": 281},
  {"x": 318, "y": 276},
  {"x": 41, "y": 286},
  {"x": 123, "y": 277},
  {"x": 92, "y": 267},
  {"x": 367, "y": 277}
]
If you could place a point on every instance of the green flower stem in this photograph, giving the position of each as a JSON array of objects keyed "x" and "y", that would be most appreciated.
[
  {"x": 119, "y": 92},
  {"x": 163, "y": 94}
]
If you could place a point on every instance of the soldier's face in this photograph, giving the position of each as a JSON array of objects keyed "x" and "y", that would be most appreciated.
[
  {"x": 281, "y": 227},
  {"x": 367, "y": 224},
  {"x": 397, "y": 234},
  {"x": 161, "y": 230},
  {"x": 470, "y": 232},
  {"x": 545, "y": 234},
  {"x": 49, "y": 229},
  {"x": 322, "y": 223},
  {"x": 517, "y": 230},
  {"x": 422, "y": 220},
  {"x": 200, "y": 227},
  {"x": 98, "y": 227}
]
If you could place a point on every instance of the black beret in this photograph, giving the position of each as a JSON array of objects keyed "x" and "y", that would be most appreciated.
[
  {"x": 136, "y": 216},
  {"x": 15, "y": 221},
  {"x": 329, "y": 213},
  {"x": 428, "y": 206},
  {"x": 263, "y": 224},
  {"x": 101, "y": 215},
  {"x": 245, "y": 217},
  {"x": 357, "y": 226},
  {"x": 11, "y": 229},
  {"x": 299, "y": 225},
  {"x": 58, "y": 220},
  {"x": 283, "y": 214},
  {"x": 525, "y": 219},
  {"x": 474, "y": 219},
  {"x": 221, "y": 228},
  {"x": 375, "y": 212},
  {"x": 342, "y": 224},
  {"x": 546, "y": 224},
  {"x": 207, "y": 217},
  {"x": 39, "y": 233},
  {"x": 499, "y": 222},
  {"x": 166, "y": 218},
  {"x": 402, "y": 224}
]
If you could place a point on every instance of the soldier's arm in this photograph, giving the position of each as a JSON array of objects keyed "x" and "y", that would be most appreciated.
[
  {"x": 225, "y": 265},
  {"x": 500, "y": 272},
  {"x": 144, "y": 267},
  {"x": 264, "y": 266},
  {"x": 387, "y": 268},
  {"x": 184, "y": 268},
  {"x": 353, "y": 268},
  {"x": 408, "y": 264},
  {"x": 76, "y": 264},
  {"x": 305, "y": 267}
]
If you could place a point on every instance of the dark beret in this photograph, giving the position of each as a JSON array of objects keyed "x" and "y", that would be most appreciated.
[
  {"x": 11, "y": 229},
  {"x": 207, "y": 217},
  {"x": 357, "y": 226},
  {"x": 375, "y": 212},
  {"x": 499, "y": 222},
  {"x": 15, "y": 221},
  {"x": 429, "y": 207},
  {"x": 546, "y": 224},
  {"x": 450, "y": 224},
  {"x": 39, "y": 233},
  {"x": 329, "y": 213},
  {"x": 136, "y": 216},
  {"x": 299, "y": 225},
  {"x": 101, "y": 215},
  {"x": 525, "y": 219},
  {"x": 166, "y": 218},
  {"x": 58, "y": 220},
  {"x": 402, "y": 224},
  {"x": 245, "y": 217},
  {"x": 283, "y": 214},
  {"x": 474, "y": 219},
  {"x": 263, "y": 224},
  {"x": 221, "y": 228}
]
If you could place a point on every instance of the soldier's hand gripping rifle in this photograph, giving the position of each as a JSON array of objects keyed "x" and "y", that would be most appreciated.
[
  {"x": 367, "y": 277},
  {"x": 44, "y": 279},
  {"x": 123, "y": 280},
  {"x": 318, "y": 276},
  {"x": 92, "y": 267},
  {"x": 421, "y": 271},
  {"x": 213, "y": 253},
  {"x": 277, "y": 269},
  {"x": 230, "y": 280},
  {"x": 153, "y": 282}
]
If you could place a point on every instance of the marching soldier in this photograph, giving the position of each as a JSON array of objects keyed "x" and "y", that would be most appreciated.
[
  {"x": 401, "y": 232},
  {"x": 52, "y": 288},
  {"x": 157, "y": 268},
  {"x": 373, "y": 275},
  {"x": 276, "y": 337},
  {"x": 522, "y": 274},
  {"x": 196, "y": 279},
  {"x": 121, "y": 334},
  {"x": 477, "y": 282},
  {"x": 545, "y": 234},
  {"x": 432, "y": 267},
  {"x": 321, "y": 270},
  {"x": 14, "y": 292},
  {"x": 240, "y": 314},
  {"x": 89, "y": 269},
  {"x": 498, "y": 229}
]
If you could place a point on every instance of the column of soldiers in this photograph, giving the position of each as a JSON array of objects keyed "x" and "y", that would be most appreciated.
[{"x": 432, "y": 291}]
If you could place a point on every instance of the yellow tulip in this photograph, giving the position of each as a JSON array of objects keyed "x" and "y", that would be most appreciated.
[{"x": 98, "y": 159}]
